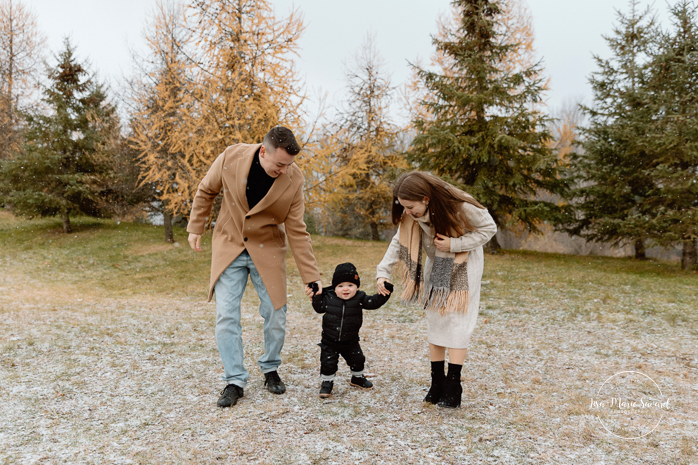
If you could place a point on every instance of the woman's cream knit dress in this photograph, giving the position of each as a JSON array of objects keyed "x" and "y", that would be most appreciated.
[{"x": 452, "y": 330}]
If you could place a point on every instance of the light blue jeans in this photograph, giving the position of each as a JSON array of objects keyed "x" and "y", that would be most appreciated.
[{"x": 229, "y": 290}]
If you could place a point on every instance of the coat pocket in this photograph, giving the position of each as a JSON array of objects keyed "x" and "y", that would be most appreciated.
[
  {"x": 223, "y": 218},
  {"x": 279, "y": 235}
]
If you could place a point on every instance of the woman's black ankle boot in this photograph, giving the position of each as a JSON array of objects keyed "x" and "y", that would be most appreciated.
[
  {"x": 452, "y": 387},
  {"x": 437, "y": 383}
]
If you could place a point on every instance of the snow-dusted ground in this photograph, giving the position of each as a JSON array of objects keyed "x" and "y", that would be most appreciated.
[{"x": 86, "y": 379}]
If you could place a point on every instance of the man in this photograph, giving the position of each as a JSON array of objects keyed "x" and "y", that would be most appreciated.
[{"x": 262, "y": 205}]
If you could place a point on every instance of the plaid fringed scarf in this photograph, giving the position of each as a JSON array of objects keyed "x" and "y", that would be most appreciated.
[{"x": 448, "y": 283}]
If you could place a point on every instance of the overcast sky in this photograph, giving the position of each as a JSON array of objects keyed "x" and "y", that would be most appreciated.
[{"x": 567, "y": 32}]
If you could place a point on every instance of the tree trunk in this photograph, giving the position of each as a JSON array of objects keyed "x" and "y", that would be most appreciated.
[
  {"x": 66, "y": 224},
  {"x": 169, "y": 236},
  {"x": 493, "y": 247},
  {"x": 375, "y": 235},
  {"x": 689, "y": 259},
  {"x": 640, "y": 249}
]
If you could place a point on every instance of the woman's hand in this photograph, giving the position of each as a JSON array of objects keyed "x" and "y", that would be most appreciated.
[
  {"x": 381, "y": 288},
  {"x": 443, "y": 243}
]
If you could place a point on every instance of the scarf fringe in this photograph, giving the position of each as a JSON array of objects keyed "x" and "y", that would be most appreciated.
[
  {"x": 458, "y": 300},
  {"x": 454, "y": 298},
  {"x": 446, "y": 301},
  {"x": 412, "y": 290}
]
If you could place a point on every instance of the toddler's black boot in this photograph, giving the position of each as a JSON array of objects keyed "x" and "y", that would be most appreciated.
[
  {"x": 361, "y": 381},
  {"x": 452, "y": 388},
  {"x": 437, "y": 383},
  {"x": 326, "y": 389}
]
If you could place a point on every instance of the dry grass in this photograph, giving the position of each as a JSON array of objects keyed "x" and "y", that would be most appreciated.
[{"x": 107, "y": 355}]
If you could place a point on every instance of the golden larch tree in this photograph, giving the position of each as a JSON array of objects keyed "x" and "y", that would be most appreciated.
[
  {"x": 246, "y": 81},
  {"x": 162, "y": 99},
  {"x": 221, "y": 73},
  {"x": 366, "y": 154},
  {"x": 21, "y": 56}
]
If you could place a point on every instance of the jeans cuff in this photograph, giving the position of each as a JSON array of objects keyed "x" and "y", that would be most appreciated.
[
  {"x": 357, "y": 373},
  {"x": 239, "y": 384},
  {"x": 327, "y": 377}
]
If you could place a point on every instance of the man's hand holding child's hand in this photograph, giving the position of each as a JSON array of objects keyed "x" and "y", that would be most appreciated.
[{"x": 312, "y": 289}]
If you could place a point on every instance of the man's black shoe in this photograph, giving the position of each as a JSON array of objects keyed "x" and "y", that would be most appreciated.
[
  {"x": 230, "y": 395},
  {"x": 274, "y": 383}
]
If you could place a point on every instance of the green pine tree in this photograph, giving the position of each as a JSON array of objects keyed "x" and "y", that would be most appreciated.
[
  {"x": 484, "y": 130},
  {"x": 610, "y": 172},
  {"x": 674, "y": 136},
  {"x": 65, "y": 162}
]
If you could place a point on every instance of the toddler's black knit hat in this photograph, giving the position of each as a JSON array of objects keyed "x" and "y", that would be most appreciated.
[{"x": 345, "y": 273}]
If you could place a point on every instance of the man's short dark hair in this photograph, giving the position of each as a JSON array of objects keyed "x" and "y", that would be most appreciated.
[{"x": 281, "y": 137}]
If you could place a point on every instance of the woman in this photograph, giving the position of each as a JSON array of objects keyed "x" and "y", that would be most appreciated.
[{"x": 451, "y": 227}]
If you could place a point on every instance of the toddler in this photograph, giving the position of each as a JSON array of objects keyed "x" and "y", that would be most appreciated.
[{"x": 342, "y": 305}]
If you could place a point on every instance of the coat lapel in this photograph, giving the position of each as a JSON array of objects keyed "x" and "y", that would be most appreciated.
[{"x": 242, "y": 171}]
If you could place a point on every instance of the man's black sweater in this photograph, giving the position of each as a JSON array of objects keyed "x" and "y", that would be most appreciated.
[{"x": 258, "y": 182}]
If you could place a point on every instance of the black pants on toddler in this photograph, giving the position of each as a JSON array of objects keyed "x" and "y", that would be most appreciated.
[{"x": 349, "y": 350}]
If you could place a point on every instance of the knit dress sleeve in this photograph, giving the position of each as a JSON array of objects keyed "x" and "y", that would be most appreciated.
[
  {"x": 385, "y": 267},
  {"x": 484, "y": 225}
]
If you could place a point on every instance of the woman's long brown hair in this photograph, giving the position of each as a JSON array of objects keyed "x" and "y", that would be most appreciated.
[{"x": 445, "y": 202}]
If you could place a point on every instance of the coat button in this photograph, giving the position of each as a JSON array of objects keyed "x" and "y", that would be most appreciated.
[{"x": 245, "y": 239}]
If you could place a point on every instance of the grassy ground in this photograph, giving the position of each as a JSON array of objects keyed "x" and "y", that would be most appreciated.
[{"x": 107, "y": 355}]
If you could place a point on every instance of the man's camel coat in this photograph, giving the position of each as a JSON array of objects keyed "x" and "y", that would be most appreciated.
[{"x": 261, "y": 231}]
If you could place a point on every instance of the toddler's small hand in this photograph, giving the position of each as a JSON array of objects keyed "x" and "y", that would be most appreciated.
[
  {"x": 312, "y": 289},
  {"x": 389, "y": 287},
  {"x": 381, "y": 284}
]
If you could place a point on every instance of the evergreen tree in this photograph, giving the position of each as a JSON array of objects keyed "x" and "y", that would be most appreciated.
[
  {"x": 673, "y": 203},
  {"x": 612, "y": 184},
  {"x": 483, "y": 130},
  {"x": 62, "y": 168}
]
